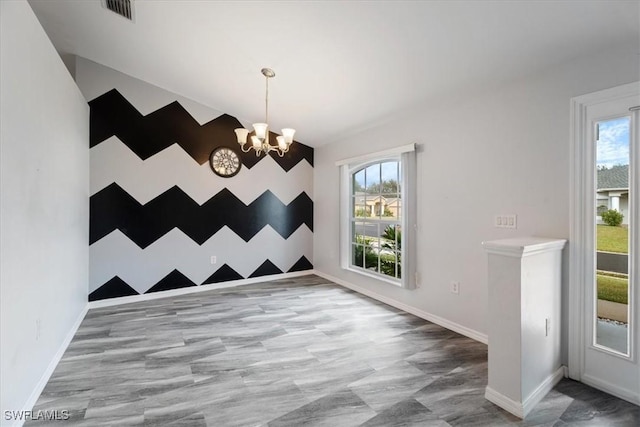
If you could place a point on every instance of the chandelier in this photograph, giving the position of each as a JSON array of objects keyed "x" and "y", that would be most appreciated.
[{"x": 260, "y": 138}]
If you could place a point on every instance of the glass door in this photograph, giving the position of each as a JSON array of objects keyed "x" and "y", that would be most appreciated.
[
  {"x": 611, "y": 277},
  {"x": 611, "y": 292}
]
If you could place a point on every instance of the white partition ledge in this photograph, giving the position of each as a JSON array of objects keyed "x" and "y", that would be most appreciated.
[
  {"x": 523, "y": 246},
  {"x": 524, "y": 321}
]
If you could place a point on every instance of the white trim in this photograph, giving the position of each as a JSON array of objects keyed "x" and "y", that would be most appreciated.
[
  {"x": 345, "y": 222},
  {"x": 576, "y": 225},
  {"x": 195, "y": 289},
  {"x": 455, "y": 327},
  {"x": 409, "y": 219},
  {"x": 607, "y": 94},
  {"x": 581, "y": 218},
  {"x": 523, "y": 247},
  {"x": 634, "y": 240},
  {"x": 612, "y": 389},
  {"x": 376, "y": 276},
  {"x": 541, "y": 391},
  {"x": 370, "y": 156},
  {"x": 612, "y": 189},
  {"x": 504, "y": 402},
  {"x": 406, "y": 157},
  {"x": 46, "y": 375},
  {"x": 522, "y": 409}
]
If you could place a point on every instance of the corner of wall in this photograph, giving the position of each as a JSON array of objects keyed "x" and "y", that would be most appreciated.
[{"x": 45, "y": 213}]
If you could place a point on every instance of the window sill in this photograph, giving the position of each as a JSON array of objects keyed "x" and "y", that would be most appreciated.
[{"x": 379, "y": 277}]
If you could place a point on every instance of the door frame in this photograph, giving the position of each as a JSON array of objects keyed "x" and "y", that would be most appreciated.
[{"x": 581, "y": 231}]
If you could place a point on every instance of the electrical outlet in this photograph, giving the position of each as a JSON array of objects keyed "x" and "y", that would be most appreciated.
[
  {"x": 455, "y": 287},
  {"x": 213, "y": 259}
]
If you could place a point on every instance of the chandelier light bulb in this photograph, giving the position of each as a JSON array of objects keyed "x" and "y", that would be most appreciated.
[
  {"x": 282, "y": 143},
  {"x": 257, "y": 144},
  {"x": 287, "y": 133},
  {"x": 260, "y": 130},
  {"x": 241, "y": 133}
]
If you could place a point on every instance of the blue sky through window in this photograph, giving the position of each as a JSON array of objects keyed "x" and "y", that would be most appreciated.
[
  {"x": 613, "y": 143},
  {"x": 389, "y": 170}
]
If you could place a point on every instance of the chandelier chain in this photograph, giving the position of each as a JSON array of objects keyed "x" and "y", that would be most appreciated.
[{"x": 266, "y": 101}]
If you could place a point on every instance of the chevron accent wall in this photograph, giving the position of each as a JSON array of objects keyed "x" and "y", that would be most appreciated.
[
  {"x": 112, "y": 114},
  {"x": 158, "y": 214}
]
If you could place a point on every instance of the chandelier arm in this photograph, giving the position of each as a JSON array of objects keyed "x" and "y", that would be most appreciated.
[
  {"x": 276, "y": 149},
  {"x": 243, "y": 150}
]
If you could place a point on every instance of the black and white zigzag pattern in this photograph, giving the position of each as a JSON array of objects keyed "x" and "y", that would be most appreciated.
[
  {"x": 112, "y": 114},
  {"x": 116, "y": 287},
  {"x": 112, "y": 161},
  {"x": 158, "y": 213},
  {"x": 113, "y": 208}
]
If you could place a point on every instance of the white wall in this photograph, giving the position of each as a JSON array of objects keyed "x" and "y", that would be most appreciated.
[
  {"x": 44, "y": 210},
  {"x": 95, "y": 79},
  {"x": 499, "y": 150}
]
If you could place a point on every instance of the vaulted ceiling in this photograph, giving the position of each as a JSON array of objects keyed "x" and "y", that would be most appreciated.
[{"x": 340, "y": 66}]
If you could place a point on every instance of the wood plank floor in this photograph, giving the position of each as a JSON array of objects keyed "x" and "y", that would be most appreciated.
[{"x": 293, "y": 352}]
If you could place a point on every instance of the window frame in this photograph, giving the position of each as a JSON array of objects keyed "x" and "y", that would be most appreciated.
[{"x": 405, "y": 155}]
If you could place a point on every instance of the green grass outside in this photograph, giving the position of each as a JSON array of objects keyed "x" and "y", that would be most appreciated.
[
  {"x": 613, "y": 289},
  {"x": 613, "y": 239}
]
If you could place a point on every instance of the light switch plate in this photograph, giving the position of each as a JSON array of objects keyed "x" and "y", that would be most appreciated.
[{"x": 506, "y": 221}]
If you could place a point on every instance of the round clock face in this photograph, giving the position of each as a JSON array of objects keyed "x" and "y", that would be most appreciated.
[{"x": 225, "y": 162}]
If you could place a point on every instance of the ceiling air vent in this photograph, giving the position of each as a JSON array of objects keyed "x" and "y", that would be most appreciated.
[{"x": 123, "y": 8}]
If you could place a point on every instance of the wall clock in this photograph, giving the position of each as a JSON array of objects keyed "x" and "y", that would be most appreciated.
[{"x": 225, "y": 162}]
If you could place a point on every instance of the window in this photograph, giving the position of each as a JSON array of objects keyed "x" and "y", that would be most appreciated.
[
  {"x": 377, "y": 199},
  {"x": 376, "y": 230}
]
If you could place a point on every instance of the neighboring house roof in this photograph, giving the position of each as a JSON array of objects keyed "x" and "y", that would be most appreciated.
[
  {"x": 614, "y": 177},
  {"x": 370, "y": 199}
]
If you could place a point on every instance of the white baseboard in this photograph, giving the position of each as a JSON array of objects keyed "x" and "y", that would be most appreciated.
[
  {"x": 194, "y": 289},
  {"x": 521, "y": 409},
  {"x": 541, "y": 391},
  {"x": 612, "y": 389},
  {"x": 44, "y": 379},
  {"x": 509, "y": 405},
  {"x": 463, "y": 330}
]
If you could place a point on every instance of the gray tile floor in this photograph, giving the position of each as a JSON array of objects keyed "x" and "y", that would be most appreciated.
[{"x": 294, "y": 352}]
